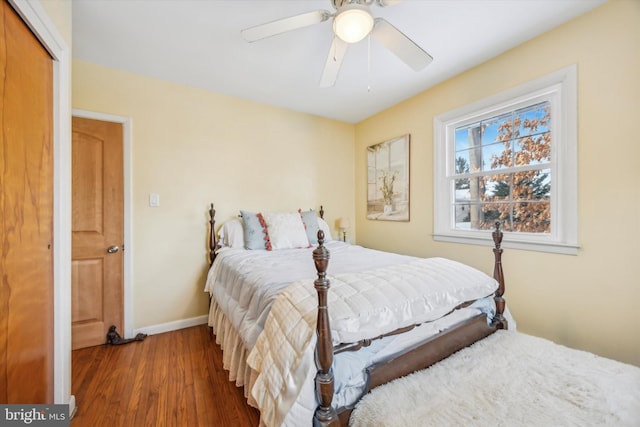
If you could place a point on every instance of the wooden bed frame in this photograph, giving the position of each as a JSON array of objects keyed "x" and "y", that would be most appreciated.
[{"x": 417, "y": 357}]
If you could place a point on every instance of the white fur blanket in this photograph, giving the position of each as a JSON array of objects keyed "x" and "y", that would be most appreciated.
[{"x": 509, "y": 379}]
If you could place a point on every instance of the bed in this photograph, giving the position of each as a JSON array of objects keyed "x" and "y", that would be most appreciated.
[{"x": 305, "y": 354}]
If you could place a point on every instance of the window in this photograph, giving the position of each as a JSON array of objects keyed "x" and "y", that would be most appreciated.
[{"x": 510, "y": 158}]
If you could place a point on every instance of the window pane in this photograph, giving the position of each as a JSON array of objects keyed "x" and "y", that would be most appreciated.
[
  {"x": 474, "y": 158},
  {"x": 462, "y": 163},
  {"x": 497, "y": 187},
  {"x": 465, "y": 136},
  {"x": 499, "y": 128},
  {"x": 496, "y": 156},
  {"x": 532, "y": 217},
  {"x": 476, "y": 189},
  {"x": 532, "y": 185},
  {"x": 493, "y": 212},
  {"x": 462, "y": 187},
  {"x": 480, "y": 216},
  {"x": 468, "y": 147},
  {"x": 533, "y": 150},
  {"x": 463, "y": 218},
  {"x": 533, "y": 120}
]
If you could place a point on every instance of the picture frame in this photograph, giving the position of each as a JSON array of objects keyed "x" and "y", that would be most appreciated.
[{"x": 388, "y": 179}]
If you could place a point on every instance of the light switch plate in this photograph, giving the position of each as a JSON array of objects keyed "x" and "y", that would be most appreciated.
[{"x": 154, "y": 200}]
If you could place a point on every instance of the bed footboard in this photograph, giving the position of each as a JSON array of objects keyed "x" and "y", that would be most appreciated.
[
  {"x": 415, "y": 358},
  {"x": 499, "y": 320}
]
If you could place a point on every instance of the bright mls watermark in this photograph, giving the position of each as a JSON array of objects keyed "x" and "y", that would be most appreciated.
[{"x": 34, "y": 415}]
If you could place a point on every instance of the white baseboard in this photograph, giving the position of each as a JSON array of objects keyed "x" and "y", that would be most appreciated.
[{"x": 172, "y": 326}]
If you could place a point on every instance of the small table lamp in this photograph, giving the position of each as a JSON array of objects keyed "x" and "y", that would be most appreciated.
[{"x": 344, "y": 225}]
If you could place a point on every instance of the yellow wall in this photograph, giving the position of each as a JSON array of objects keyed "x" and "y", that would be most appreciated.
[
  {"x": 60, "y": 13},
  {"x": 193, "y": 147},
  {"x": 589, "y": 301}
]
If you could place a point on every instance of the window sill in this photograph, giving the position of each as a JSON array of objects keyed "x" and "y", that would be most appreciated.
[{"x": 486, "y": 240}]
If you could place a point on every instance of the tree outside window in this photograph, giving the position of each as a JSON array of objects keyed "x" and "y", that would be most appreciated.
[{"x": 503, "y": 171}]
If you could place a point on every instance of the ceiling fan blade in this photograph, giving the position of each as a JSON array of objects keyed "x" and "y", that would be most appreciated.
[
  {"x": 331, "y": 68},
  {"x": 386, "y": 3},
  {"x": 400, "y": 45},
  {"x": 283, "y": 25}
]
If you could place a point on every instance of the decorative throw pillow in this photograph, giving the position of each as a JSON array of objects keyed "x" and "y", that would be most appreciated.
[
  {"x": 310, "y": 221},
  {"x": 286, "y": 230},
  {"x": 255, "y": 231}
]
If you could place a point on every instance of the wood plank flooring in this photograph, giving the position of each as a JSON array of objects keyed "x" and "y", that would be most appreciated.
[{"x": 171, "y": 379}]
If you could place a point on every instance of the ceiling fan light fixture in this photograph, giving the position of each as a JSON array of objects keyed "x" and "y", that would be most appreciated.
[{"x": 352, "y": 23}]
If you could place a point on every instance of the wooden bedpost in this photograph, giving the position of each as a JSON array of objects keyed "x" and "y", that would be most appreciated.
[
  {"x": 321, "y": 212},
  {"x": 325, "y": 414},
  {"x": 213, "y": 242},
  {"x": 499, "y": 321}
]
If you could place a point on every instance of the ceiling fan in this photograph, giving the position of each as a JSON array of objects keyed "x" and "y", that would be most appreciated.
[{"x": 352, "y": 22}]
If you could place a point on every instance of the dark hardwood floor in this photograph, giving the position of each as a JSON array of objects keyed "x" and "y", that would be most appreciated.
[{"x": 170, "y": 379}]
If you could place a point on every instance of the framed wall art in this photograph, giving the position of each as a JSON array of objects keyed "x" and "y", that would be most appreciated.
[{"x": 388, "y": 180}]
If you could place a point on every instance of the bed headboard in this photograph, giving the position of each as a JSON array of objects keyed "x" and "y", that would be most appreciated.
[{"x": 213, "y": 239}]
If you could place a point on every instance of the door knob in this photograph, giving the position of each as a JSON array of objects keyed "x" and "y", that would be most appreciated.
[{"x": 113, "y": 249}]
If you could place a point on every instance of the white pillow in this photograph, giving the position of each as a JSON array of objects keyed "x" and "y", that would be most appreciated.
[
  {"x": 325, "y": 227},
  {"x": 286, "y": 230},
  {"x": 231, "y": 234}
]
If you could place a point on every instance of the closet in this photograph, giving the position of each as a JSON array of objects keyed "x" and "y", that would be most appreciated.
[{"x": 26, "y": 214}]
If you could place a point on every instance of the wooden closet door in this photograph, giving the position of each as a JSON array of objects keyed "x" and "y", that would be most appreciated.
[{"x": 26, "y": 215}]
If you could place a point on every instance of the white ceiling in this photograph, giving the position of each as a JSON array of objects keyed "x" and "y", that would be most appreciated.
[{"x": 198, "y": 43}]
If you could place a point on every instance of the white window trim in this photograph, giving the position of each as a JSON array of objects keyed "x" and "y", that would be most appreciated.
[{"x": 562, "y": 85}]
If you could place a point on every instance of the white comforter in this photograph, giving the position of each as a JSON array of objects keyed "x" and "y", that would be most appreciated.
[
  {"x": 361, "y": 305},
  {"x": 245, "y": 283}
]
